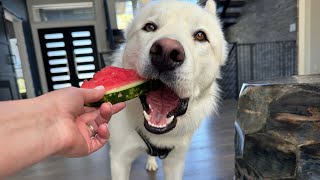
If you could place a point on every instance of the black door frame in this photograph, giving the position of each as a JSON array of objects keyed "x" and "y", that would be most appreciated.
[{"x": 74, "y": 80}]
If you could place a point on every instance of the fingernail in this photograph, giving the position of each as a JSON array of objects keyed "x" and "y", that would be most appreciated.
[
  {"x": 99, "y": 87},
  {"x": 110, "y": 107}
]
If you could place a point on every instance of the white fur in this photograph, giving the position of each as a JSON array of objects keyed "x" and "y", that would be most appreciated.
[
  {"x": 151, "y": 164},
  {"x": 195, "y": 79}
]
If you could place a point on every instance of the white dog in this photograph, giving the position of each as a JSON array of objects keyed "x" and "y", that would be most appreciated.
[{"x": 182, "y": 45}]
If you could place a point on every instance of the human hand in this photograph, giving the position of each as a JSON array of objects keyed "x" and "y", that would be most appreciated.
[{"x": 71, "y": 119}]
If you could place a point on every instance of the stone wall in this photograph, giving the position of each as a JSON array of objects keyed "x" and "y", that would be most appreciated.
[{"x": 264, "y": 21}]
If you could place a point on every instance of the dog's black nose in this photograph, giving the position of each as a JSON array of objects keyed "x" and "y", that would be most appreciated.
[{"x": 167, "y": 54}]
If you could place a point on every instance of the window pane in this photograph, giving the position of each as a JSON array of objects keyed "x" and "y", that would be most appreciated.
[
  {"x": 124, "y": 11},
  {"x": 55, "y": 44},
  {"x": 84, "y": 59},
  {"x": 63, "y": 12},
  {"x": 60, "y": 78},
  {"x": 57, "y": 53},
  {"x": 59, "y": 86},
  {"x": 53, "y": 36},
  {"x": 82, "y": 42},
  {"x": 83, "y": 51},
  {"x": 85, "y": 75},
  {"x": 59, "y": 70},
  {"x": 86, "y": 67},
  {"x": 80, "y": 34},
  {"x": 58, "y": 61}
]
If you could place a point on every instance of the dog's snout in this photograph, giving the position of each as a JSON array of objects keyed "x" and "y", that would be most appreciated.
[{"x": 167, "y": 54}]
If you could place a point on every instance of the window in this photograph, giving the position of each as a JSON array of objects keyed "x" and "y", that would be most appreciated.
[
  {"x": 63, "y": 12},
  {"x": 124, "y": 11},
  {"x": 69, "y": 55}
]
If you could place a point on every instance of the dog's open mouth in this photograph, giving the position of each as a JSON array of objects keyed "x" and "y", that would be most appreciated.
[{"x": 161, "y": 109}]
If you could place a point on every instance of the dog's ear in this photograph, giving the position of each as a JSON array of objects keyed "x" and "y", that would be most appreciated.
[
  {"x": 211, "y": 7},
  {"x": 143, "y": 3}
]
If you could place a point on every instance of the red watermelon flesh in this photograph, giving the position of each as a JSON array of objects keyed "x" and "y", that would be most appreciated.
[{"x": 114, "y": 79}]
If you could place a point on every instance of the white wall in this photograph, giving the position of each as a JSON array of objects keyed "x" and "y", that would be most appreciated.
[{"x": 309, "y": 37}]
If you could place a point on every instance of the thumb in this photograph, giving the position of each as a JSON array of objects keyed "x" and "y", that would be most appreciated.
[{"x": 92, "y": 95}]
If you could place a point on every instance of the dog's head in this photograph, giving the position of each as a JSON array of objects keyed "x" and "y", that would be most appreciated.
[{"x": 180, "y": 44}]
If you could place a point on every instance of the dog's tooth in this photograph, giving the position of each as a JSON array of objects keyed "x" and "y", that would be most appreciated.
[
  {"x": 157, "y": 126},
  {"x": 146, "y": 115},
  {"x": 170, "y": 119},
  {"x": 150, "y": 107}
]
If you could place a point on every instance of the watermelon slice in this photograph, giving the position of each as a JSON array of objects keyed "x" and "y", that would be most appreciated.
[{"x": 120, "y": 85}]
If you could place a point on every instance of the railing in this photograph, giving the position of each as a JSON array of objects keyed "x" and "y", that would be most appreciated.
[
  {"x": 257, "y": 61},
  {"x": 229, "y": 82}
]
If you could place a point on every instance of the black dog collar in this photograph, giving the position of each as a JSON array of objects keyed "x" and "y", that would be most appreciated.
[{"x": 154, "y": 150}]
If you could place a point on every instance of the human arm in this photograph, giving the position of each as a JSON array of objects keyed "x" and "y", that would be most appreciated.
[{"x": 53, "y": 124}]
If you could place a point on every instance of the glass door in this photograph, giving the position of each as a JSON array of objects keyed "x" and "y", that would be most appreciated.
[{"x": 69, "y": 55}]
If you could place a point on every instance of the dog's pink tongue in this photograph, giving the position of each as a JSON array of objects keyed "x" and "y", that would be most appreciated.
[{"x": 162, "y": 102}]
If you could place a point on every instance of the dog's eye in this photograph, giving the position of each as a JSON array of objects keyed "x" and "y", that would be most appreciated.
[
  {"x": 150, "y": 27},
  {"x": 200, "y": 36}
]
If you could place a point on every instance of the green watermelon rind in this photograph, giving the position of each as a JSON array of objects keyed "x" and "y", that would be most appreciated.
[
  {"x": 130, "y": 85},
  {"x": 126, "y": 93}
]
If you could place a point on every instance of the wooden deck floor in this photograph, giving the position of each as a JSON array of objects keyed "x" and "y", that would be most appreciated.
[{"x": 211, "y": 157}]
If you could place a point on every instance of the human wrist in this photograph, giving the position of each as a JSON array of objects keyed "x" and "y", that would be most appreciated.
[{"x": 47, "y": 125}]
